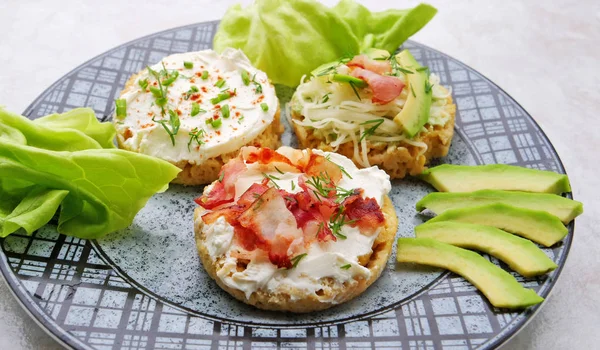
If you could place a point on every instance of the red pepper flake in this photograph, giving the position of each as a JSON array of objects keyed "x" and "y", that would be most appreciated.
[
  {"x": 147, "y": 125},
  {"x": 154, "y": 83},
  {"x": 232, "y": 93},
  {"x": 178, "y": 111},
  {"x": 218, "y": 132},
  {"x": 237, "y": 114},
  {"x": 217, "y": 106},
  {"x": 234, "y": 129},
  {"x": 150, "y": 114},
  {"x": 127, "y": 134},
  {"x": 215, "y": 116},
  {"x": 192, "y": 80},
  {"x": 199, "y": 74},
  {"x": 194, "y": 97}
]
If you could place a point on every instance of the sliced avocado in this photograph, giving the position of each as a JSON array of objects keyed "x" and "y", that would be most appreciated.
[
  {"x": 415, "y": 112},
  {"x": 536, "y": 225},
  {"x": 376, "y": 54},
  {"x": 520, "y": 254},
  {"x": 467, "y": 178},
  {"x": 564, "y": 208},
  {"x": 342, "y": 78},
  {"x": 499, "y": 286}
]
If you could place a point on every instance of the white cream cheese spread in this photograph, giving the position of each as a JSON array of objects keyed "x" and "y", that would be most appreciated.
[
  {"x": 334, "y": 259},
  {"x": 220, "y": 101}
]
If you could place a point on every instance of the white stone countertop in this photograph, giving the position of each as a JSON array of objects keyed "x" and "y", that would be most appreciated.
[{"x": 544, "y": 54}]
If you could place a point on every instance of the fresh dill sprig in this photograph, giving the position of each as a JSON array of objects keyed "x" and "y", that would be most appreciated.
[
  {"x": 195, "y": 135},
  {"x": 370, "y": 131},
  {"x": 272, "y": 179},
  {"x": 354, "y": 89},
  {"x": 346, "y": 267},
  {"x": 339, "y": 166},
  {"x": 295, "y": 260}
]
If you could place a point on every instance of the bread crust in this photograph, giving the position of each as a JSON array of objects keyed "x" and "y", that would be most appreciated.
[
  {"x": 208, "y": 171},
  {"x": 396, "y": 160},
  {"x": 332, "y": 293}
]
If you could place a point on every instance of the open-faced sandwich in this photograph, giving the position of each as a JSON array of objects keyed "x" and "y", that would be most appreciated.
[
  {"x": 377, "y": 109},
  {"x": 196, "y": 110},
  {"x": 295, "y": 230}
]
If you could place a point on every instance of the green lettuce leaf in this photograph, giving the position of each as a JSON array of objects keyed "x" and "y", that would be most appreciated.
[
  {"x": 84, "y": 120},
  {"x": 98, "y": 190},
  {"x": 385, "y": 30},
  {"x": 290, "y": 38},
  {"x": 286, "y": 39}
]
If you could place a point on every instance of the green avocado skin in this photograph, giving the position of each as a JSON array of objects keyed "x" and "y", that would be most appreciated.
[
  {"x": 536, "y": 225},
  {"x": 467, "y": 178},
  {"x": 564, "y": 208},
  {"x": 520, "y": 254},
  {"x": 500, "y": 287}
]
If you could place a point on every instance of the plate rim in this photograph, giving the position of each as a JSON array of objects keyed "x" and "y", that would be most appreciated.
[{"x": 69, "y": 341}]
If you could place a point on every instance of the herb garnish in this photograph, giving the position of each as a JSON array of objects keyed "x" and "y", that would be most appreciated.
[
  {"x": 293, "y": 186},
  {"x": 258, "y": 88},
  {"x": 339, "y": 166},
  {"x": 225, "y": 111},
  {"x": 338, "y": 221},
  {"x": 396, "y": 69},
  {"x": 204, "y": 75},
  {"x": 193, "y": 89},
  {"x": 371, "y": 130},
  {"x": 221, "y": 97},
  {"x": 160, "y": 94},
  {"x": 354, "y": 89},
  {"x": 264, "y": 106},
  {"x": 346, "y": 267},
  {"x": 220, "y": 179},
  {"x": 326, "y": 97},
  {"x": 279, "y": 171},
  {"x": 196, "y": 109},
  {"x": 220, "y": 83},
  {"x": 295, "y": 260},
  {"x": 246, "y": 77},
  {"x": 188, "y": 65},
  {"x": 413, "y": 91},
  {"x": 121, "y": 105},
  {"x": 195, "y": 135},
  {"x": 428, "y": 86},
  {"x": 143, "y": 84},
  {"x": 272, "y": 179}
]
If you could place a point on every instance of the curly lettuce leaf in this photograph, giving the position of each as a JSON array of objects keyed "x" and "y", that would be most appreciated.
[
  {"x": 385, "y": 30},
  {"x": 98, "y": 190},
  {"x": 84, "y": 120},
  {"x": 286, "y": 39},
  {"x": 290, "y": 38}
]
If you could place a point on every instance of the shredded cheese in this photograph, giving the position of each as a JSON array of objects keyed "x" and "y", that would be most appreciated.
[{"x": 336, "y": 115}]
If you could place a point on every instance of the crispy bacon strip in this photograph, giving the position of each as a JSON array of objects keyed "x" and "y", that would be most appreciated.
[
  {"x": 274, "y": 224},
  {"x": 385, "y": 88},
  {"x": 216, "y": 197},
  {"x": 364, "y": 213},
  {"x": 376, "y": 66},
  {"x": 317, "y": 165}
]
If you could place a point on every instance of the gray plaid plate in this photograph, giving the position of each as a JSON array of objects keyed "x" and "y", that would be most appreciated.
[{"x": 145, "y": 288}]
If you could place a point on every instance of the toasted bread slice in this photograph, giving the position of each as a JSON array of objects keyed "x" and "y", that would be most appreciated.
[
  {"x": 332, "y": 292},
  {"x": 398, "y": 160}
]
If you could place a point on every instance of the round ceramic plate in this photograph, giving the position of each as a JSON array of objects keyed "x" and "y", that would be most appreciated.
[{"x": 144, "y": 287}]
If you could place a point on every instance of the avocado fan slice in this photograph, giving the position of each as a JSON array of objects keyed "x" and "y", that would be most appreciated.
[
  {"x": 520, "y": 254},
  {"x": 468, "y": 178},
  {"x": 564, "y": 208},
  {"x": 499, "y": 286},
  {"x": 536, "y": 225},
  {"x": 415, "y": 112}
]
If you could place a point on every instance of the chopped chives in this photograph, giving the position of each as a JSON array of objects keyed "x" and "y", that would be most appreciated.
[
  {"x": 216, "y": 123},
  {"x": 220, "y": 83},
  {"x": 195, "y": 109},
  {"x": 188, "y": 65},
  {"x": 156, "y": 92},
  {"x": 143, "y": 84},
  {"x": 171, "y": 79},
  {"x": 345, "y": 267},
  {"x": 220, "y": 97},
  {"x": 225, "y": 111},
  {"x": 121, "y": 105},
  {"x": 264, "y": 106},
  {"x": 246, "y": 77},
  {"x": 205, "y": 75}
]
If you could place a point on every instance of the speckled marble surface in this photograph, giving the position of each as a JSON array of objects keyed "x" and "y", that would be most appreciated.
[{"x": 544, "y": 55}]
